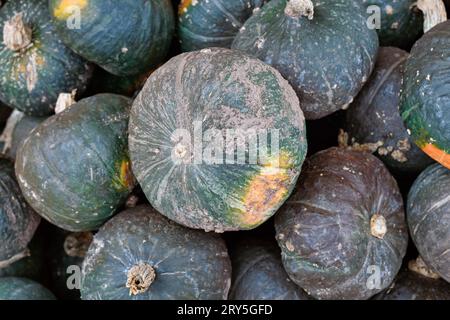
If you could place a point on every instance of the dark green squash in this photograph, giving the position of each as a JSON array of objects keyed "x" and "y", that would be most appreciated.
[
  {"x": 374, "y": 120},
  {"x": 12, "y": 288},
  {"x": 323, "y": 48},
  {"x": 124, "y": 37},
  {"x": 428, "y": 214},
  {"x": 258, "y": 274},
  {"x": 402, "y": 22},
  {"x": 67, "y": 251},
  {"x": 216, "y": 182},
  {"x": 36, "y": 69},
  {"x": 343, "y": 233},
  {"x": 16, "y": 131},
  {"x": 204, "y": 23},
  {"x": 74, "y": 168},
  {"x": 141, "y": 255},
  {"x": 416, "y": 282},
  {"x": 18, "y": 221},
  {"x": 32, "y": 266},
  {"x": 425, "y": 97}
]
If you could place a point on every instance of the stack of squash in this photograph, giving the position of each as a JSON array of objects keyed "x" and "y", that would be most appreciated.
[{"x": 144, "y": 132}]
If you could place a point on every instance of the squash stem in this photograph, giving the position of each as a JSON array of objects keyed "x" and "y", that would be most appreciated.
[
  {"x": 299, "y": 8},
  {"x": 378, "y": 227},
  {"x": 433, "y": 11},
  {"x": 140, "y": 278},
  {"x": 421, "y": 268},
  {"x": 65, "y": 100},
  {"x": 77, "y": 244},
  {"x": 17, "y": 35},
  {"x": 15, "y": 258}
]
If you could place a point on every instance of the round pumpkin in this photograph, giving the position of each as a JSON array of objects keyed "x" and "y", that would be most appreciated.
[
  {"x": 124, "y": 37},
  {"x": 204, "y": 23},
  {"x": 66, "y": 254},
  {"x": 425, "y": 96},
  {"x": 74, "y": 169},
  {"x": 402, "y": 22},
  {"x": 141, "y": 255},
  {"x": 18, "y": 222},
  {"x": 343, "y": 233},
  {"x": 35, "y": 66},
  {"x": 412, "y": 286},
  {"x": 258, "y": 274},
  {"x": 32, "y": 265},
  {"x": 323, "y": 48},
  {"x": 223, "y": 179},
  {"x": 12, "y": 288},
  {"x": 374, "y": 121},
  {"x": 428, "y": 214}
]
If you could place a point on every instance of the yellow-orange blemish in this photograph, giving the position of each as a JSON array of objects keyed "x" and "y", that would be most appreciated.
[
  {"x": 66, "y": 8},
  {"x": 126, "y": 178},
  {"x": 437, "y": 154},
  {"x": 184, "y": 5},
  {"x": 266, "y": 190}
]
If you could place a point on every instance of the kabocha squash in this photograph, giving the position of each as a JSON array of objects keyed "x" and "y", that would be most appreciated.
[
  {"x": 225, "y": 100},
  {"x": 141, "y": 255},
  {"x": 16, "y": 131},
  {"x": 374, "y": 120},
  {"x": 258, "y": 274},
  {"x": 66, "y": 255},
  {"x": 34, "y": 64},
  {"x": 402, "y": 22},
  {"x": 18, "y": 222},
  {"x": 12, "y": 288},
  {"x": 323, "y": 48},
  {"x": 425, "y": 96},
  {"x": 428, "y": 213},
  {"x": 204, "y": 23},
  {"x": 32, "y": 265},
  {"x": 74, "y": 168},
  {"x": 124, "y": 37},
  {"x": 343, "y": 233}
]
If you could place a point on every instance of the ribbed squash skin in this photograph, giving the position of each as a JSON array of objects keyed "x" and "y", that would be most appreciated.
[
  {"x": 324, "y": 228},
  {"x": 401, "y": 22},
  {"x": 189, "y": 264},
  {"x": 18, "y": 221},
  {"x": 74, "y": 169},
  {"x": 258, "y": 274},
  {"x": 425, "y": 97},
  {"x": 12, "y": 288},
  {"x": 221, "y": 89},
  {"x": 374, "y": 116},
  {"x": 205, "y": 23},
  {"x": 412, "y": 286},
  {"x": 326, "y": 60},
  {"x": 124, "y": 37},
  {"x": 428, "y": 215},
  {"x": 31, "y": 80}
]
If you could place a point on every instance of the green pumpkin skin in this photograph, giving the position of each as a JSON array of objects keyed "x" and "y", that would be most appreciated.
[
  {"x": 329, "y": 247},
  {"x": 189, "y": 264},
  {"x": 126, "y": 37},
  {"x": 374, "y": 116},
  {"x": 74, "y": 168},
  {"x": 258, "y": 273},
  {"x": 32, "y": 79},
  {"x": 326, "y": 59},
  {"x": 204, "y": 23},
  {"x": 18, "y": 222},
  {"x": 401, "y": 22},
  {"x": 428, "y": 214},
  {"x": 12, "y": 288},
  {"x": 220, "y": 89},
  {"x": 425, "y": 96}
]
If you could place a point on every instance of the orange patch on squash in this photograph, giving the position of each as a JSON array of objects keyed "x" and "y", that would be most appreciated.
[
  {"x": 184, "y": 5},
  {"x": 126, "y": 178},
  {"x": 437, "y": 154},
  {"x": 266, "y": 191},
  {"x": 67, "y": 8}
]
